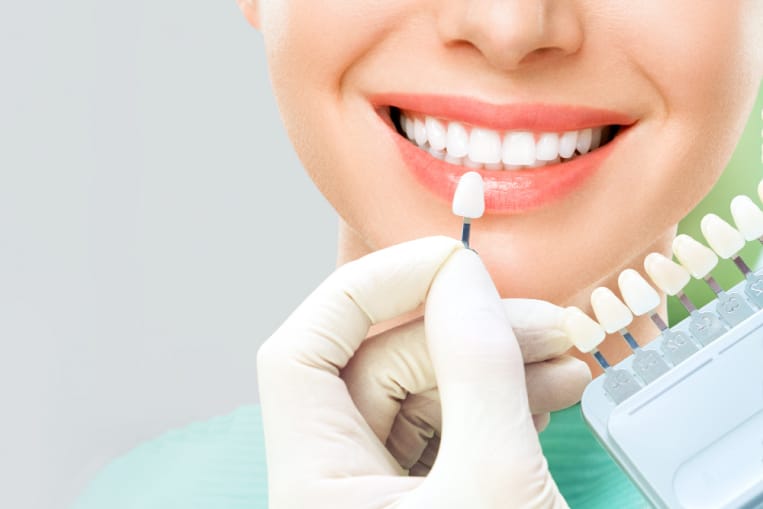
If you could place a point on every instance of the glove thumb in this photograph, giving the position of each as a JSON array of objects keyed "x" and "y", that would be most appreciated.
[{"x": 489, "y": 446}]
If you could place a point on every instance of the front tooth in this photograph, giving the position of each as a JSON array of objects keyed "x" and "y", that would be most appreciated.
[
  {"x": 567, "y": 143},
  {"x": 547, "y": 148},
  {"x": 457, "y": 140},
  {"x": 584, "y": 141},
  {"x": 435, "y": 133},
  {"x": 596, "y": 137},
  {"x": 408, "y": 127},
  {"x": 518, "y": 148},
  {"x": 437, "y": 154},
  {"x": 419, "y": 132},
  {"x": 484, "y": 146},
  {"x": 469, "y": 163}
]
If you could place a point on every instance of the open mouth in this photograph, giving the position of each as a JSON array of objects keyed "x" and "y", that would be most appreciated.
[{"x": 478, "y": 147}]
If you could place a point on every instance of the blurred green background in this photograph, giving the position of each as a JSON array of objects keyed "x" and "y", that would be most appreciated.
[{"x": 741, "y": 176}]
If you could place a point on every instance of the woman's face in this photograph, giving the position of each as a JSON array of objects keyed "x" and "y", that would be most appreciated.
[{"x": 508, "y": 86}]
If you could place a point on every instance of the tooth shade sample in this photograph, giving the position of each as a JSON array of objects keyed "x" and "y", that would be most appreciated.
[
  {"x": 457, "y": 140},
  {"x": 436, "y": 133},
  {"x": 469, "y": 198},
  {"x": 747, "y": 217},
  {"x": 669, "y": 277},
  {"x": 610, "y": 311},
  {"x": 723, "y": 238},
  {"x": 638, "y": 295},
  {"x": 697, "y": 258},
  {"x": 584, "y": 333}
]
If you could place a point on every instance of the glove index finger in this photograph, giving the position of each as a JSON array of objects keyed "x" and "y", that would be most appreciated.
[{"x": 536, "y": 324}]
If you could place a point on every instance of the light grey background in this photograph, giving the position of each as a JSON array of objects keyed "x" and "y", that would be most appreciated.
[{"x": 155, "y": 227}]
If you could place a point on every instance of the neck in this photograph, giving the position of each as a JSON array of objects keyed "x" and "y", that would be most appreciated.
[{"x": 352, "y": 246}]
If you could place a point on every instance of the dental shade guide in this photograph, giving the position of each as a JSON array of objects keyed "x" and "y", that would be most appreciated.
[
  {"x": 691, "y": 436},
  {"x": 726, "y": 242},
  {"x": 642, "y": 299},
  {"x": 749, "y": 221},
  {"x": 614, "y": 316},
  {"x": 587, "y": 335},
  {"x": 469, "y": 202},
  {"x": 671, "y": 278}
]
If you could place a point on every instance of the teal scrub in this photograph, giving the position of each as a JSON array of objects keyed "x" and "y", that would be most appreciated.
[{"x": 220, "y": 464}]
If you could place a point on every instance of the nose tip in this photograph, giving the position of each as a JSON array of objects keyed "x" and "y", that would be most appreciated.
[{"x": 512, "y": 33}]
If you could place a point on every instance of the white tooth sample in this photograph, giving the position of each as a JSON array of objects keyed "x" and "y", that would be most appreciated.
[
  {"x": 697, "y": 258},
  {"x": 669, "y": 277},
  {"x": 568, "y": 142},
  {"x": 596, "y": 137},
  {"x": 584, "y": 141},
  {"x": 547, "y": 147},
  {"x": 457, "y": 140},
  {"x": 748, "y": 217},
  {"x": 469, "y": 198},
  {"x": 435, "y": 133},
  {"x": 408, "y": 128},
  {"x": 518, "y": 148},
  {"x": 610, "y": 311},
  {"x": 638, "y": 295},
  {"x": 584, "y": 333},
  {"x": 419, "y": 132},
  {"x": 484, "y": 146},
  {"x": 723, "y": 238}
]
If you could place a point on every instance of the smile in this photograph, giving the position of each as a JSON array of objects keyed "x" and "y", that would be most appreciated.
[
  {"x": 482, "y": 148},
  {"x": 529, "y": 155}
]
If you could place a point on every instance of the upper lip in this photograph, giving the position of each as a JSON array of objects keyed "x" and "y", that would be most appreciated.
[{"x": 505, "y": 117}]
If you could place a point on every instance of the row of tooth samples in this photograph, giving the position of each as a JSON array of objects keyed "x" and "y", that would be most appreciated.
[
  {"x": 482, "y": 148},
  {"x": 695, "y": 260}
]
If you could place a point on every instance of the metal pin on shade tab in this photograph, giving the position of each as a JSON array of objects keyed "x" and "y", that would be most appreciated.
[{"x": 469, "y": 202}]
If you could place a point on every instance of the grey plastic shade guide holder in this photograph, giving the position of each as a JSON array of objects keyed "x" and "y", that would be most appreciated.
[{"x": 692, "y": 436}]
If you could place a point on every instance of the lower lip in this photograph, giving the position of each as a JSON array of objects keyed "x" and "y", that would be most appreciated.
[{"x": 506, "y": 191}]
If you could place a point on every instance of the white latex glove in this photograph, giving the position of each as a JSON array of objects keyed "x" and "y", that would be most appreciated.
[
  {"x": 322, "y": 452},
  {"x": 392, "y": 381}
]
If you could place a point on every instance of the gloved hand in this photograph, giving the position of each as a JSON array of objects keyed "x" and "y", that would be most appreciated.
[{"x": 324, "y": 452}]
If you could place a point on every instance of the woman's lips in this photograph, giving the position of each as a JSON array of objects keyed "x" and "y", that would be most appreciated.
[{"x": 506, "y": 191}]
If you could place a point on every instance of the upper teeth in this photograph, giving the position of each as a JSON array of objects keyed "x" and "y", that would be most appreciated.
[{"x": 478, "y": 147}]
